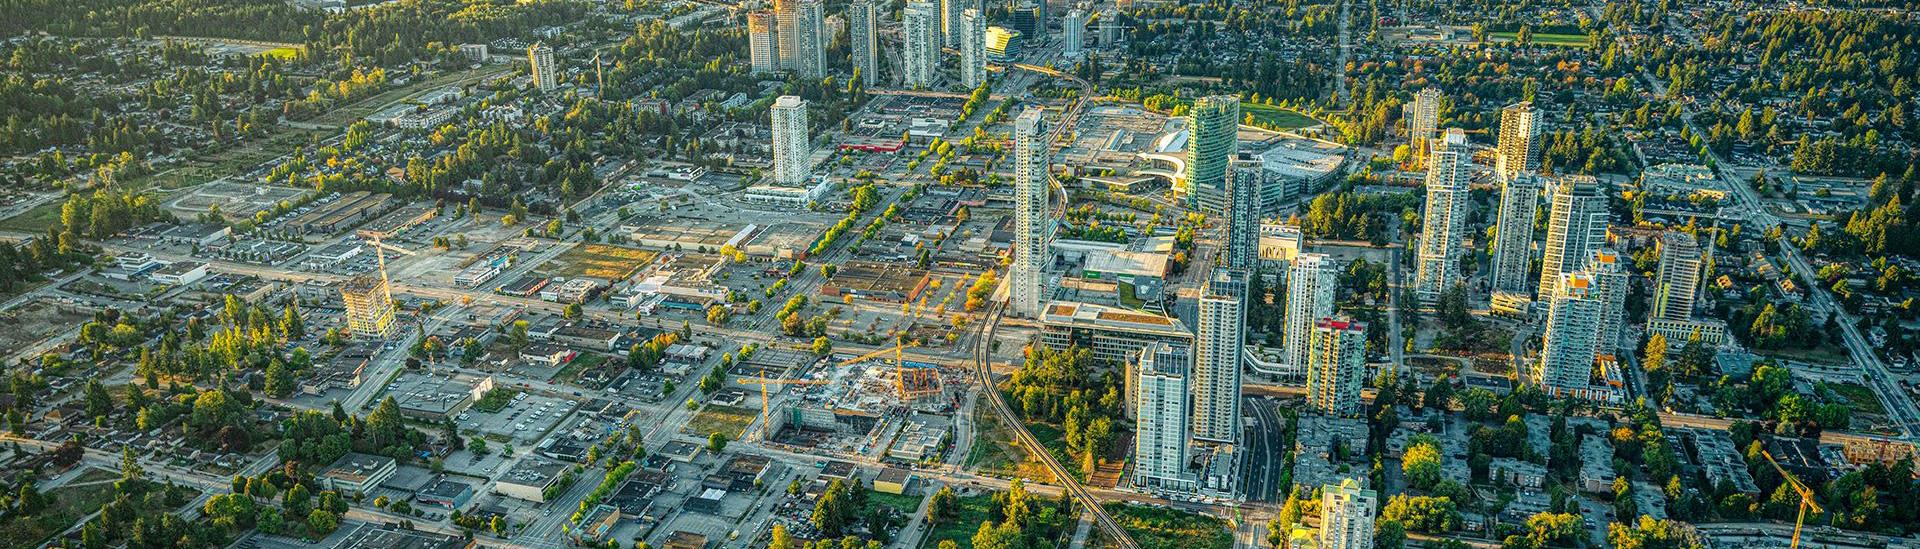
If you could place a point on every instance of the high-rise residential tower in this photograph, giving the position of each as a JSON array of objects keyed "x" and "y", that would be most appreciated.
[
  {"x": 546, "y": 73},
  {"x": 1311, "y": 283},
  {"x": 952, "y": 22},
  {"x": 1073, "y": 33},
  {"x": 1518, "y": 150},
  {"x": 763, "y": 42},
  {"x": 803, "y": 35},
  {"x": 1030, "y": 189},
  {"x": 1576, "y": 225},
  {"x": 1213, "y": 134},
  {"x": 1217, "y": 355},
  {"x": 1346, "y": 515},
  {"x": 1573, "y": 327},
  {"x": 1242, "y": 250},
  {"x": 920, "y": 56},
  {"x": 973, "y": 48},
  {"x": 1678, "y": 281},
  {"x": 1161, "y": 417},
  {"x": 1423, "y": 119},
  {"x": 1336, "y": 366},
  {"x": 369, "y": 304},
  {"x": 1609, "y": 272},
  {"x": 1449, "y": 180},
  {"x": 1513, "y": 234},
  {"x": 791, "y": 153},
  {"x": 863, "y": 37}
]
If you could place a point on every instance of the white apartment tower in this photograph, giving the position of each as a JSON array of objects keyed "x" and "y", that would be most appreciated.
[
  {"x": 1609, "y": 272},
  {"x": 1242, "y": 250},
  {"x": 1310, "y": 292},
  {"x": 1074, "y": 33},
  {"x": 1423, "y": 119},
  {"x": 1109, "y": 27},
  {"x": 802, "y": 42},
  {"x": 973, "y": 48},
  {"x": 953, "y": 20},
  {"x": 1518, "y": 150},
  {"x": 1576, "y": 225},
  {"x": 1217, "y": 356},
  {"x": 1513, "y": 234},
  {"x": 1678, "y": 280},
  {"x": 863, "y": 35},
  {"x": 1449, "y": 179},
  {"x": 791, "y": 153},
  {"x": 1030, "y": 213},
  {"x": 546, "y": 73},
  {"x": 1336, "y": 367},
  {"x": 1573, "y": 326},
  {"x": 1160, "y": 417},
  {"x": 920, "y": 56},
  {"x": 763, "y": 42},
  {"x": 1346, "y": 515}
]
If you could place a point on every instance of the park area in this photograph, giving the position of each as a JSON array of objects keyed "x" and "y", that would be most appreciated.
[
  {"x": 1159, "y": 528},
  {"x": 996, "y": 453},
  {"x": 599, "y": 261},
  {"x": 1047, "y": 524},
  {"x": 1544, "y": 39},
  {"x": 1277, "y": 118}
]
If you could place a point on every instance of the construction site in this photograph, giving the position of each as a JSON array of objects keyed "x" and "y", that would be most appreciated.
[{"x": 881, "y": 405}]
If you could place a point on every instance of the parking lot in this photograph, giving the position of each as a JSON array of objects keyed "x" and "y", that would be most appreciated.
[{"x": 524, "y": 420}]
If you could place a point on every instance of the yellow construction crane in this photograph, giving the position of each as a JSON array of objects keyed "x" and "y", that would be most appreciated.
[
  {"x": 1806, "y": 497},
  {"x": 911, "y": 382},
  {"x": 764, "y": 382}
]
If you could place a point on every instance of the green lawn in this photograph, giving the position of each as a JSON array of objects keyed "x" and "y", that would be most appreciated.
[
  {"x": 1544, "y": 38},
  {"x": 1269, "y": 116},
  {"x": 35, "y": 220},
  {"x": 64, "y": 506},
  {"x": 1154, "y": 528},
  {"x": 1056, "y": 442},
  {"x": 1862, "y": 398},
  {"x": 728, "y": 420},
  {"x": 906, "y": 504}
]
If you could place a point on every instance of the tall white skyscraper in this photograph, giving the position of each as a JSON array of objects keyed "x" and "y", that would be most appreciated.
[
  {"x": 973, "y": 48},
  {"x": 1423, "y": 119},
  {"x": 1609, "y": 272},
  {"x": 1573, "y": 326},
  {"x": 1242, "y": 250},
  {"x": 1073, "y": 33},
  {"x": 803, "y": 37},
  {"x": 1576, "y": 225},
  {"x": 1030, "y": 219},
  {"x": 1109, "y": 27},
  {"x": 863, "y": 35},
  {"x": 1449, "y": 179},
  {"x": 1678, "y": 281},
  {"x": 546, "y": 73},
  {"x": 1217, "y": 356},
  {"x": 1311, "y": 283},
  {"x": 790, "y": 149},
  {"x": 953, "y": 20},
  {"x": 1336, "y": 366},
  {"x": 920, "y": 56},
  {"x": 1513, "y": 234},
  {"x": 1160, "y": 417},
  {"x": 763, "y": 42},
  {"x": 1346, "y": 515},
  {"x": 1518, "y": 150}
]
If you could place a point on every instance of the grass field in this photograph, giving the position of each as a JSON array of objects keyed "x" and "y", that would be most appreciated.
[
  {"x": 1048, "y": 524},
  {"x": 360, "y": 109},
  {"x": 282, "y": 54},
  {"x": 1818, "y": 354},
  {"x": 64, "y": 506},
  {"x": 35, "y": 220},
  {"x": 582, "y": 363},
  {"x": 1271, "y": 117},
  {"x": 728, "y": 420},
  {"x": 906, "y": 504},
  {"x": 1154, "y": 528},
  {"x": 1862, "y": 398},
  {"x": 1544, "y": 39},
  {"x": 599, "y": 261},
  {"x": 995, "y": 452}
]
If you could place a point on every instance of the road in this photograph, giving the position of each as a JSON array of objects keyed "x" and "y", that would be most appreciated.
[{"x": 1895, "y": 398}]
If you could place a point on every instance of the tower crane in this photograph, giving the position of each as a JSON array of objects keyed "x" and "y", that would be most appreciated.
[
  {"x": 1806, "y": 497},
  {"x": 764, "y": 382}
]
